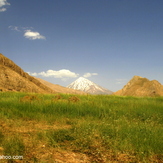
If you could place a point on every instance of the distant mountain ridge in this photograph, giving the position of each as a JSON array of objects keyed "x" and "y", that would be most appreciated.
[
  {"x": 13, "y": 78},
  {"x": 88, "y": 86},
  {"x": 139, "y": 86},
  {"x": 60, "y": 89}
]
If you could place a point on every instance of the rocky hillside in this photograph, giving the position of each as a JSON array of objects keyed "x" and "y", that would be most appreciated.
[
  {"x": 139, "y": 86},
  {"x": 13, "y": 78}
]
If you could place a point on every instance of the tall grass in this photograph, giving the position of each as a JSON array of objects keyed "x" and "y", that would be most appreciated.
[{"x": 103, "y": 127}]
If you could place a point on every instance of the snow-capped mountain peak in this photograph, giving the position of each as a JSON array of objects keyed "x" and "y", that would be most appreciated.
[{"x": 88, "y": 86}]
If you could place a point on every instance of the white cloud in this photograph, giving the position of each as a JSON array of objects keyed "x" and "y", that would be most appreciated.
[
  {"x": 120, "y": 81},
  {"x": 28, "y": 33},
  {"x": 15, "y": 28},
  {"x": 63, "y": 74},
  {"x": 87, "y": 75},
  {"x": 3, "y": 3},
  {"x": 20, "y": 29},
  {"x": 33, "y": 35},
  {"x": 33, "y": 74},
  {"x": 2, "y": 9}
]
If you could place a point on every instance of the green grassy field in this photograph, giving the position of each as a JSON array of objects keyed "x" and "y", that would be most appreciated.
[{"x": 99, "y": 128}]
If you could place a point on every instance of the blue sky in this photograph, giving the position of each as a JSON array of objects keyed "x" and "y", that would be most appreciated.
[{"x": 106, "y": 41}]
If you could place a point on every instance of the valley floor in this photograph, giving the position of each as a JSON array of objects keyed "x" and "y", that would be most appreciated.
[{"x": 80, "y": 128}]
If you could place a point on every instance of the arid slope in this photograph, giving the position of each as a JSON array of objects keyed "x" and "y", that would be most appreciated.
[
  {"x": 13, "y": 78},
  {"x": 139, "y": 86}
]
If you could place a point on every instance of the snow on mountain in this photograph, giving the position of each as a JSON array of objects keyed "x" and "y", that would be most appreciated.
[{"x": 88, "y": 86}]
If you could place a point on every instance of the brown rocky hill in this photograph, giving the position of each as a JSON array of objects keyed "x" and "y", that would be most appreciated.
[
  {"x": 60, "y": 89},
  {"x": 13, "y": 78},
  {"x": 139, "y": 86}
]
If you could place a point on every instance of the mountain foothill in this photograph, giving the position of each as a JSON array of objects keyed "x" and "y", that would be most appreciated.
[
  {"x": 139, "y": 86},
  {"x": 13, "y": 78}
]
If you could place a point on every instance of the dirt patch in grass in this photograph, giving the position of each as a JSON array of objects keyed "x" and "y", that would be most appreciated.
[
  {"x": 38, "y": 150},
  {"x": 28, "y": 126}
]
